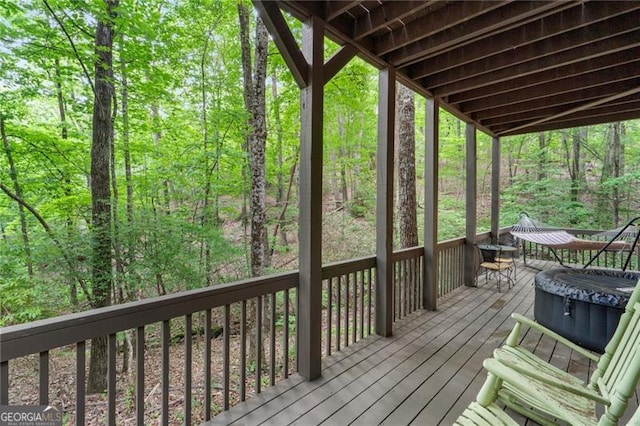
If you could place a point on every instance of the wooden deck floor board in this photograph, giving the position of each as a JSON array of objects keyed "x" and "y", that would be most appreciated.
[
  {"x": 426, "y": 374},
  {"x": 350, "y": 357},
  {"x": 355, "y": 382},
  {"x": 455, "y": 372},
  {"x": 492, "y": 335},
  {"x": 404, "y": 370}
]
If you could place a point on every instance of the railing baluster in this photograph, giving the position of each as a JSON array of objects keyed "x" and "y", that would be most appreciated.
[
  {"x": 111, "y": 379},
  {"x": 414, "y": 284},
  {"x": 361, "y": 285},
  {"x": 80, "y": 382},
  {"x": 286, "y": 334},
  {"x": 272, "y": 350},
  {"x": 243, "y": 351},
  {"x": 187, "y": 368},
  {"x": 44, "y": 378},
  {"x": 140, "y": 375},
  {"x": 370, "y": 284},
  {"x": 207, "y": 364},
  {"x": 329, "y": 313},
  {"x": 226, "y": 356},
  {"x": 354, "y": 331},
  {"x": 409, "y": 286},
  {"x": 338, "y": 310},
  {"x": 347, "y": 312},
  {"x": 258, "y": 345},
  {"x": 166, "y": 341},
  {"x": 4, "y": 383},
  {"x": 396, "y": 292}
]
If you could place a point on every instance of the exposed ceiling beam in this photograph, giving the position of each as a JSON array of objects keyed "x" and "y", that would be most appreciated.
[
  {"x": 380, "y": 17},
  {"x": 542, "y": 26},
  {"x": 569, "y": 123},
  {"x": 528, "y": 74},
  {"x": 466, "y": 31},
  {"x": 432, "y": 23},
  {"x": 557, "y": 87},
  {"x": 333, "y": 9},
  {"x": 576, "y": 46},
  {"x": 532, "y": 115},
  {"x": 577, "y": 109},
  {"x": 564, "y": 100}
]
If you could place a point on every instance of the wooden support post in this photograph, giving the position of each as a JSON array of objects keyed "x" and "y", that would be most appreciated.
[
  {"x": 310, "y": 238},
  {"x": 384, "y": 202},
  {"x": 430, "y": 281},
  {"x": 471, "y": 207},
  {"x": 495, "y": 189}
]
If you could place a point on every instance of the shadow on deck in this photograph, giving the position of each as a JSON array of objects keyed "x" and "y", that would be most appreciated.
[{"x": 426, "y": 374}]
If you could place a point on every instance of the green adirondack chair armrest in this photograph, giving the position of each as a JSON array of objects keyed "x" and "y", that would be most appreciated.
[
  {"x": 521, "y": 319},
  {"x": 559, "y": 384},
  {"x": 526, "y": 385}
]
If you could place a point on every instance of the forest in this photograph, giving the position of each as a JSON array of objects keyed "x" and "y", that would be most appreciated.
[{"x": 151, "y": 146}]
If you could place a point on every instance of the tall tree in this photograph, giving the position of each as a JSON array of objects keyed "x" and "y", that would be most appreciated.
[
  {"x": 405, "y": 125},
  {"x": 612, "y": 170},
  {"x": 572, "y": 142},
  {"x": 254, "y": 88},
  {"x": 100, "y": 186}
]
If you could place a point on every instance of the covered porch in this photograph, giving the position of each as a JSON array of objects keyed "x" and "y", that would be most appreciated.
[{"x": 397, "y": 337}]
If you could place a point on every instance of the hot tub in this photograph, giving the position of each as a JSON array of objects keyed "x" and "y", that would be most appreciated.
[{"x": 583, "y": 305}]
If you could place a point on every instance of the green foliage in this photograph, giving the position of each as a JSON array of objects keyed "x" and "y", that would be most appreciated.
[{"x": 22, "y": 299}]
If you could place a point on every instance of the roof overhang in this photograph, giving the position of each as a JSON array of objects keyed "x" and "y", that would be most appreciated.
[{"x": 510, "y": 67}]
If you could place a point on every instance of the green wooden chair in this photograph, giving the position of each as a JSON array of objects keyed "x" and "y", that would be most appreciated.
[
  {"x": 477, "y": 415},
  {"x": 546, "y": 396},
  {"x": 513, "y": 354}
]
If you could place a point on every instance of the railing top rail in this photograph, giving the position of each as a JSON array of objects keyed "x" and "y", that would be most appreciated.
[
  {"x": 408, "y": 253},
  {"x": 447, "y": 244},
  {"x": 343, "y": 267},
  {"x": 34, "y": 337}
]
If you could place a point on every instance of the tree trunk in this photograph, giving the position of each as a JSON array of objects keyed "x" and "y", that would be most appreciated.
[
  {"x": 279, "y": 173},
  {"x": 573, "y": 159},
  {"x": 254, "y": 87},
  {"x": 406, "y": 167},
  {"x": 615, "y": 158},
  {"x": 542, "y": 156},
  {"x": 100, "y": 190},
  {"x": 18, "y": 191}
]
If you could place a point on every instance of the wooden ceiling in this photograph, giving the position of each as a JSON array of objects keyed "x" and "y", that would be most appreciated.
[{"x": 511, "y": 67}]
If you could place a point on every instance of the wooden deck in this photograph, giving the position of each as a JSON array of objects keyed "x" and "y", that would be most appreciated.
[{"x": 425, "y": 374}]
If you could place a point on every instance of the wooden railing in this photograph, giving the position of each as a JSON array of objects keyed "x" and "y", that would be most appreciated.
[
  {"x": 408, "y": 280},
  {"x": 450, "y": 265},
  {"x": 179, "y": 336},
  {"x": 247, "y": 328},
  {"x": 349, "y": 302}
]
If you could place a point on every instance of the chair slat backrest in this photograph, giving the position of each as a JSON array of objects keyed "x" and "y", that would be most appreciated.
[
  {"x": 618, "y": 336},
  {"x": 621, "y": 377},
  {"x": 621, "y": 357}
]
